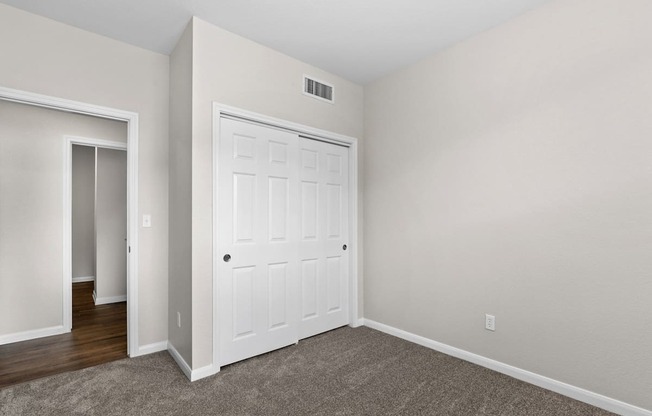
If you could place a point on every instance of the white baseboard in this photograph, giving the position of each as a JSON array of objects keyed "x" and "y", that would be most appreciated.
[
  {"x": 193, "y": 375},
  {"x": 109, "y": 299},
  {"x": 33, "y": 334},
  {"x": 568, "y": 390},
  {"x": 357, "y": 324},
  {"x": 151, "y": 348},
  {"x": 180, "y": 361},
  {"x": 80, "y": 279},
  {"x": 203, "y": 372}
]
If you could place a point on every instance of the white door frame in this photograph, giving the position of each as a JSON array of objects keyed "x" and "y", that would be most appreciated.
[
  {"x": 131, "y": 119},
  {"x": 68, "y": 142},
  {"x": 220, "y": 110}
]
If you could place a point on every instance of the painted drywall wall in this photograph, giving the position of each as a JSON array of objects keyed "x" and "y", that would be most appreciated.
[
  {"x": 180, "y": 286},
  {"x": 234, "y": 71},
  {"x": 83, "y": 211},
  {"x": 510, "y": 175},
  {"x": 46, "y": 57},
  {"x": 111, "y": 226},
  {"x": 31, "y": 210}
]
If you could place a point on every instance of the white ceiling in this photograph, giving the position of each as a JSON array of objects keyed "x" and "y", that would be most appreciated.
[{"x": 360, "y": 40}]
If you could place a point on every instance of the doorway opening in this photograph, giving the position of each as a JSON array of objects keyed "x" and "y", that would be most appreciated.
[
  {"x": 32, "y": 330},
  {"x": 33, "y": 174},
  {"x": 95, "y": 192}
]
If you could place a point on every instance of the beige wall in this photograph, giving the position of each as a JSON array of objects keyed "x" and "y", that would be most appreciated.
[
  {"x": 111, "y": 225},
  {"x": 237, "y": 72},
  {"x": 31, "y": 210},
  {"x": 83, "y": 211},
  {"x": 43, "y": 56},
  {"x": 180, "y": 285},
  {"x": 511, "y": 175},
  {"x": 508, "y": 175}
]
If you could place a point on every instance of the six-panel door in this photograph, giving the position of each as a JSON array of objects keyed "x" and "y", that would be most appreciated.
[
  {"x": 283, "y": 225},
  {"x": 258, "y": 307},
  {"x": 323, "y": 258}
]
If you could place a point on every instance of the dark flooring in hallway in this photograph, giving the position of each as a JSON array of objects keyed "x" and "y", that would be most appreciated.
[{"x": 99, "y": 336}]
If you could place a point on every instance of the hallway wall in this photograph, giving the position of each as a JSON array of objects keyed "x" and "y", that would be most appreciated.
[{"x": 83, "y": 212}]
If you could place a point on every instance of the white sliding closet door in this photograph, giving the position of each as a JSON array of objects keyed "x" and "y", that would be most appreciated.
[
  {"x": 283, "y": 221},
  {"x": 258, "y": 235},
  {"x": 323, "y": 251}
]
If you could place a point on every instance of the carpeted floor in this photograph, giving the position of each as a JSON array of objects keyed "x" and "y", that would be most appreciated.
[{"x": 342, "y": 372}]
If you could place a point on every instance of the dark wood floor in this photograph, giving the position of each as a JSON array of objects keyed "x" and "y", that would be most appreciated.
[{"x": 99, "y": 335}]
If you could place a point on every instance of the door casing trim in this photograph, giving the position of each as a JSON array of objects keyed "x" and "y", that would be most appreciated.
[
  {"x": 221, "y": 110},
  {"x": 68, "y": 142},
  {"x": 131, "y": 118}
]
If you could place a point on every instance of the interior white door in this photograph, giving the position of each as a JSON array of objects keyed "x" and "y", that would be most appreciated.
[
  {"x": 324, "y": 234},
  {"x": 258, "y": 237}
]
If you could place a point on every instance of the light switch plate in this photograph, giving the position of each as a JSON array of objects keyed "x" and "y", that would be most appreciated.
[
  {"x": 147, "y": 220},
  {"x": 490, "y": 322}
]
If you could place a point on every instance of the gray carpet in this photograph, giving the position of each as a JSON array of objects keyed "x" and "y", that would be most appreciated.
[{"x": 343, "y": 372}]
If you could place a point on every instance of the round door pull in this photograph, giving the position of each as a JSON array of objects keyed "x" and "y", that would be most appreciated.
[
  {"x": 227, "y": 257},
  {"x": 344, "y": 247}
]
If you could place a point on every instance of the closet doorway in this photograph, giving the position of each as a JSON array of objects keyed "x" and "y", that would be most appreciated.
[{"x": 285, "y": 258}]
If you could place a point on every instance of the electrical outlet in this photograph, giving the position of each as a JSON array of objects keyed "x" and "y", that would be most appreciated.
[
  {"x": 490, "y": 322},
  {"x": 179, "y": 319}
]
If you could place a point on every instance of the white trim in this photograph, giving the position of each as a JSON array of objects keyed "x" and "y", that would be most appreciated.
[
  {"x": 323, "y": 135},
  {"x": 183, "y": 365},
  {"x": 547, "y": 383},
  {"x": 220, "y": 110},
  {"x": 33, "y": 334},
  {"x": 203, "y": 372},
  {"x": 92, "y": 142},
  {"x": 109, "y": 299},
  {"x": 216, "y": 292},
  {"x": 47, "y": 101},
  {"x": 132, "y": 236},
  {"x": 354, "y": 317},
  {"x": 357, "y": 324},
  {"x": 81, "y": 279},
  {"x": 132, "y": 196},
  {"x": 193, "y": 375},
  {"x": 67, "y": 238},
  {"x": 152, "y": 348}
]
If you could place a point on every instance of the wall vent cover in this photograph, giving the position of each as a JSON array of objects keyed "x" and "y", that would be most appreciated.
[{"x": 318, "y": 89}]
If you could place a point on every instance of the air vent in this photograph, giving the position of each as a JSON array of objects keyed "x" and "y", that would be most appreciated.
[{"x": 318, "y": 89}]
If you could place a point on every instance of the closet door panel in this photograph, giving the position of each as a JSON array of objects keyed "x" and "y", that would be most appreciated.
[
  {"x": 323, "y": 174},
  {"x": 283, "y": 230},
  {"x": 257, "y": 243}
]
